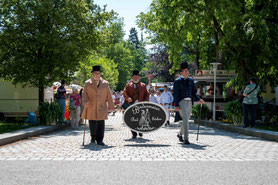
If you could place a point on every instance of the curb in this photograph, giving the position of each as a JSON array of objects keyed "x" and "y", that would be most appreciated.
[
  {"x": 265, "y": 134},
  {"x": 7, "y": 138}
]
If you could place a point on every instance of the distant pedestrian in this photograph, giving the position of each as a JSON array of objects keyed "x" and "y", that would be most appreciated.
[
  {"x": 158, "y": 94},
  {"x": 97, "y": 101},
  {"x": 250, "y": 102},
  {"x": 75, "y": 101},
  {"x": 166, "y": 100},
  {"x": 62, "y": 95},
  {"x": 153, "y": 97},
  {"x": 81, "y": 104},
  {"x": 184, "y": 95}
]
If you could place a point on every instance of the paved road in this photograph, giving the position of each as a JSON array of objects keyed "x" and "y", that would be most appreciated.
[
  {"x": 138, "y": 173},
  {"x": 218, "y": 157},
  {"x": 162, "y": 145}
]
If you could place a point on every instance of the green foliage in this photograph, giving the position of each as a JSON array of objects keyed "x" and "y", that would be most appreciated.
[
  {"x": 159, "y": 63},
  {"x": 49, "y": 112},
  {"x": 133, "y": 38},
  {"x": 137, "y": 49},
  {"x": 122, "y": 56},
  {"x": 118, "y": 50},
  {"x": 109, "y": 71},
  {"x": 10, "y": 127},
  {"x": 43, "y": 41},
  {"x": 242, "y": 35},
  {"x": 196, "y": 111},
  {"x": 233, "y": 111}
]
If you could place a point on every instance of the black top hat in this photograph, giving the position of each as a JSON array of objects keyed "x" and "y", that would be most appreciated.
[
  {"x": 184, "y": 65},
  {"x": 135, "y": 72},
  {"x": 96, "y": 68}
]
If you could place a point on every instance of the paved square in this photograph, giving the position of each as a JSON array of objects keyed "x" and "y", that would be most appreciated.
[{"x": 161, "y": 145}]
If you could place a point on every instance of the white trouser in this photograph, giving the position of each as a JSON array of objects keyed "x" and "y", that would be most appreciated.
[
  {"x": 185, "y": 113},
  {"x": 167, "y": 112},
  {"x": 75, "y": 117}
]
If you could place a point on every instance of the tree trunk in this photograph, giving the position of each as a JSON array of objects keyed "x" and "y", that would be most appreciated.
[
  {"x": 197, "y": 60},
  {"x": 41, "y": 95},
  {"x": 197, "y": 53}
]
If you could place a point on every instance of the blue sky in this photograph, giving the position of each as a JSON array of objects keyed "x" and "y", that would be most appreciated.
[{"x": 128, "y": 9}]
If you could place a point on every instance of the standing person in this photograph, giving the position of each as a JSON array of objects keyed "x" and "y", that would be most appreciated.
[
  {"x": 96, "y": 95},
  {"x": 135, "y": 91},
  {"x": 81, "y": 104},
  {"x": 118, "y": 96},
  {"x": 165, "y": 100},
  {"x": 75, "y": 112},
  {"x": 114, "y": 99},
  {"x": 184, "y": 95},
  {"x": 250, "y": 102},
  {"x": 62, "y": 96},
  {"x": 122, "y": 99},
  {"x": 153, "y": 97},
  {"x": 158, "y": 95}
]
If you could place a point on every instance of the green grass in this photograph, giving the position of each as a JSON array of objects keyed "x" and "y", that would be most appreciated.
[
  {"x": 9, "y": 127},
  {"x": 264, "y": 127}
]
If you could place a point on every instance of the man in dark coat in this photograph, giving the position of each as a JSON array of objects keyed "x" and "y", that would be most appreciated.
[
  {"x": 184, "y": 95},
  {"x": 135, "y": 91}
]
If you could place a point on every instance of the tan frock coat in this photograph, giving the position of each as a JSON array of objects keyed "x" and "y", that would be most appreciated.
[{"x": 97, "y": 99}]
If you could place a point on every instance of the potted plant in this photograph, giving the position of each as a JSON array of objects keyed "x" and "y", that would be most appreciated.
[
  {"x": 50, "y": 113},
  {"x": 233, "y": 111},
  {"x": 198, "y": 114}
]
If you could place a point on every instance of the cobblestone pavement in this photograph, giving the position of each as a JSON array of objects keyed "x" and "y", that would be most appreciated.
[{"x": 161, "y": 145}]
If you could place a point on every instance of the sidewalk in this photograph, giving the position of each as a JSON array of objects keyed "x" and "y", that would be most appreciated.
[
  {"x": 161, "y": 145},
  {"x": 7, "y": 138},
  {"x": 265, "y": 134}
]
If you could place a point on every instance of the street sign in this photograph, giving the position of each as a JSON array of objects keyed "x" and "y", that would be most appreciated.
[{"x": 144, "y": 117}]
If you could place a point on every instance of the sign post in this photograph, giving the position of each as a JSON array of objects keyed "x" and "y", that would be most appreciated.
[{"x": 214, "y": 88}]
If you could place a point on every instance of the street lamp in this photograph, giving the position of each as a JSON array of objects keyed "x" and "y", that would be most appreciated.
[{"x": 214, "y": 88}]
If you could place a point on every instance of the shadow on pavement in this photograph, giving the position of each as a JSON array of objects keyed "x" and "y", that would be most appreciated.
[
  {"x": 220, "y": 132},
  {"x": 204, "y": 130},
  {"x": 147, "y": 145},
  {"x": 138, "y": 140},
  {"x": 194, "y": 146},
  {"x": 95, "y": 147}
]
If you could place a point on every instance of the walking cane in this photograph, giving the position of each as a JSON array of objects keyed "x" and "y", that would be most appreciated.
[
  {"x": 199, "y": 122},
  {"x": 84, "y": 127}
]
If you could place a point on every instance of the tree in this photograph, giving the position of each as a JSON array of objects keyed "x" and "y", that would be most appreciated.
[
  {"x": 242, "y": 35},
  {"x": 108, "y": 67},
  {"x": 137, "y": 49},
  {"x": 133, "y": 39},
  {"x": 159, "y": 63},
  {"x": 123, "y": 57},
  {"x": 43, "y": 41},
  {"x": 118, "y": 50}
]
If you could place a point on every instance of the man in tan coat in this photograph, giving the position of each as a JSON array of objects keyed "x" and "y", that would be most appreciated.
[
  {"x": 135, "y": 91},
  {"x": 96, "y": 95}
]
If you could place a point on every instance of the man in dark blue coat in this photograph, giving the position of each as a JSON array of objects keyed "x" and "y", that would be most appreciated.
[{"x": 184, "y": 95}]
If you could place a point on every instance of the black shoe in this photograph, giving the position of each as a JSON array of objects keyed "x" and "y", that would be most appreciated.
[
  {"x": 180, "y": 138},
  {"x": 186, "y": 142},
  {"x": 133, "y": 137},
  {"x": 93, "y": 141},
  {"x": 101, "y": 143},
  {"x": 140, "y": 134},
  {"x": 168, "y": 123}
]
